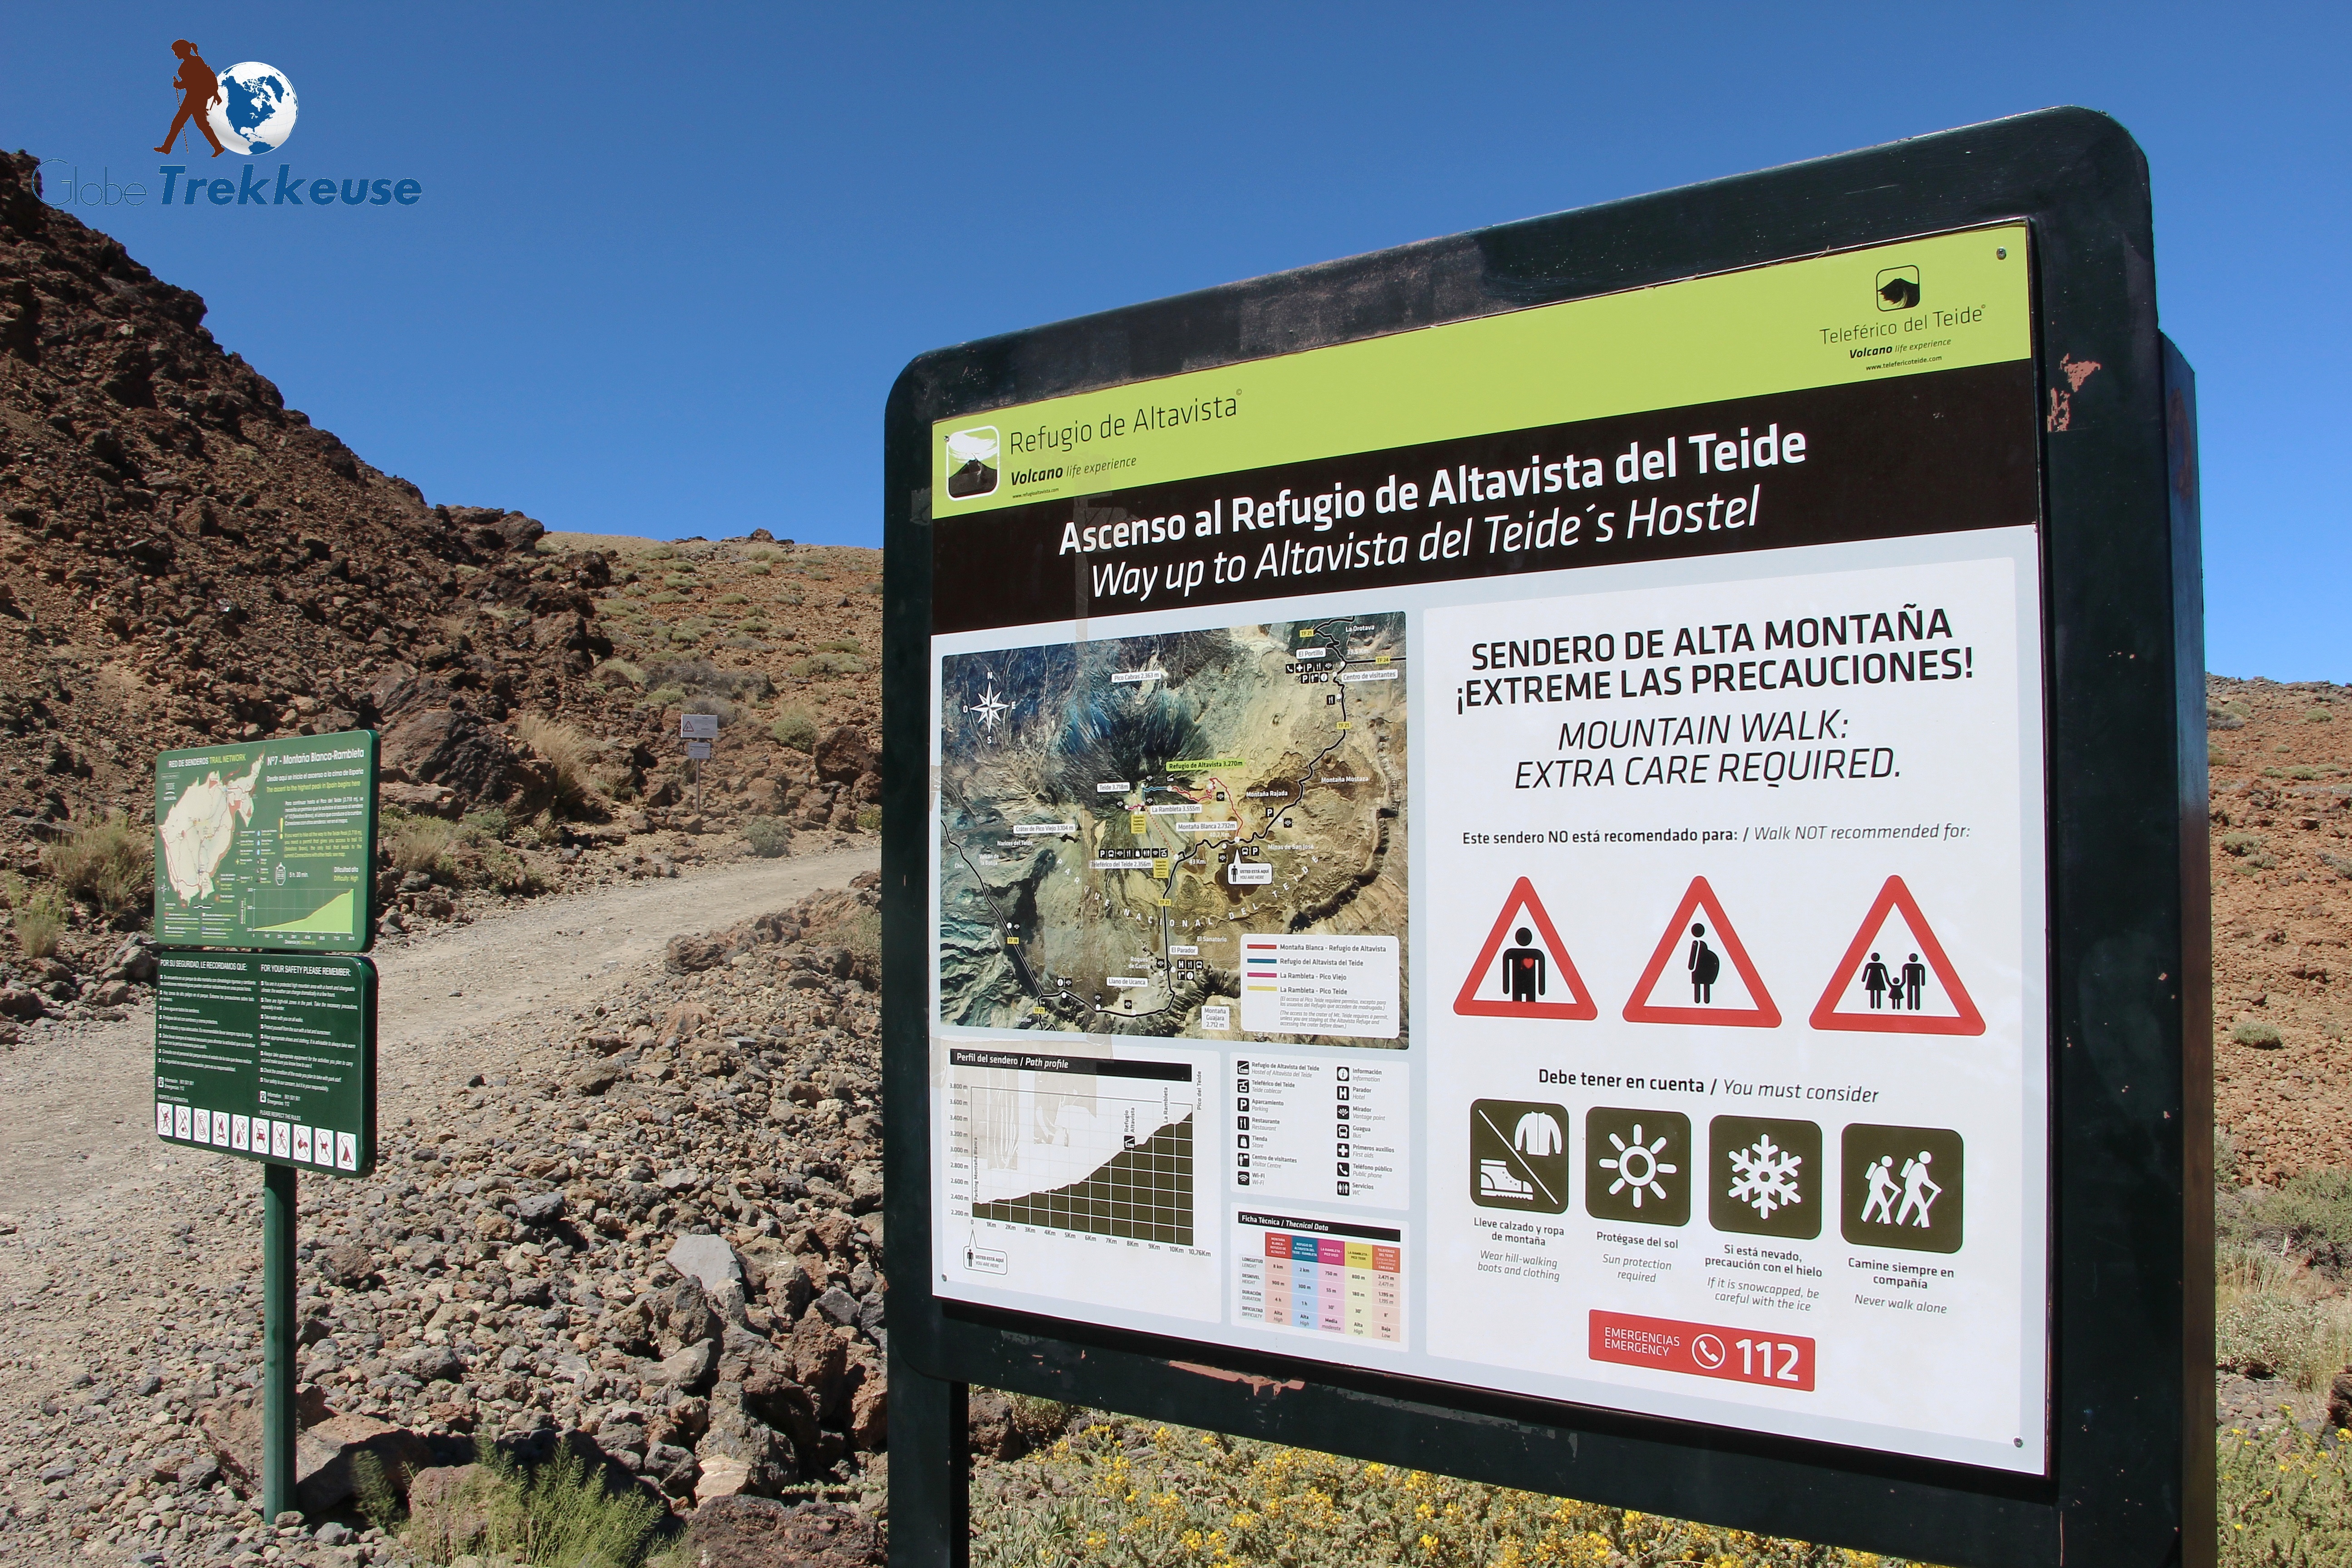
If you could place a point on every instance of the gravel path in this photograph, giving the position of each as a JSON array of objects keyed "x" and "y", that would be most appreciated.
[{"x": 116, "y": 1249}]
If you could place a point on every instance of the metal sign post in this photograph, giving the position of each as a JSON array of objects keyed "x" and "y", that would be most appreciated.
[
  {"x": 698, "y": 730},
  {"x": 265, "y": 1013},
  {"x": 1573, "y": 855}
]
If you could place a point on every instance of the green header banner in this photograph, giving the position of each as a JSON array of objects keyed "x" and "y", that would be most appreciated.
[
  {"x": 1944, "y": 302},
  {"x": 267, "y": 844}
]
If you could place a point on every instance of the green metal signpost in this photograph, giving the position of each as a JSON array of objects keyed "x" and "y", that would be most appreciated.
[{"x": 265, "y": 1013}]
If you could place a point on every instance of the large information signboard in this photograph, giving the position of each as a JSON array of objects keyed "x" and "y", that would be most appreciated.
[
  {"x": 1499, "y": 857},
  {"x": 1600, "y": 849},
  {"x": 268, "y": 1055},
  {"x": 267, "y": 844}
]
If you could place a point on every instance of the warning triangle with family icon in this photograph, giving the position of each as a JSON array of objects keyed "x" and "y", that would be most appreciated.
[
  {"x": 1896, "y": 978},
  {"x": 1524, "y": 969},
  {"x": 1700, "y": 973}
]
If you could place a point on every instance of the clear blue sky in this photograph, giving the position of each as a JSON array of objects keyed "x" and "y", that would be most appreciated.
[{"x": 669, "y": 259}]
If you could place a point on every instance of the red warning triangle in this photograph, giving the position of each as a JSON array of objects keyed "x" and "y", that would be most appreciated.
[
  {"x": 1478, "y": 1001},
  {"x": 1761, "y": 1014},
  {"x": 1896, "y": 1018}
]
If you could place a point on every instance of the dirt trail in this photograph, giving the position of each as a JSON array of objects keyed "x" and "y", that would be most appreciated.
[{"x": 76, "y": 1135}]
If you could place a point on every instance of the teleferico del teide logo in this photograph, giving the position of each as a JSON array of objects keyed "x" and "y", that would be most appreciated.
[{"x": 248, "y": 108}]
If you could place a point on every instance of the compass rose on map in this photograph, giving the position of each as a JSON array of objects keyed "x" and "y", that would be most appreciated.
[{"x": 990, "y": 708}]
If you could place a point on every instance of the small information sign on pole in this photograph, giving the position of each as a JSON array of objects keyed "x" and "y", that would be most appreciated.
[
  {"x": 265, "y": 1013},
  {"x": 267, "y": 1056},
  {"x": 699, "y": 729}
]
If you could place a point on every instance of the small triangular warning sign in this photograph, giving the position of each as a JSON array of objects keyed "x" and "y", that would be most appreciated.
[
  {"x": 1697, "y": 943},
  {"x": 1896, "y": 978},
  {"x": 1523, "y": 979}
]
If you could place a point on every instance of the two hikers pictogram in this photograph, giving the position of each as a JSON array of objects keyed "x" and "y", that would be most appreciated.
[{"x": 1895, "y": 976}]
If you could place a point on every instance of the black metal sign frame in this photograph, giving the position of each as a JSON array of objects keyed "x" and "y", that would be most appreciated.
[{"x": 2130, "y": 1478}]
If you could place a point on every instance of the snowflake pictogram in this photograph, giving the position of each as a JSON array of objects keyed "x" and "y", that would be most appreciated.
[{"x": 1764, "y": 1177}]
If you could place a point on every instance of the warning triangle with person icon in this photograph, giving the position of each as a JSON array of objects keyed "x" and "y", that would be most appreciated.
[
  {"x": 1896, "y": 977},
  {"x": 1700, "y": 973},
  {"x": 1524, "y": 969}
]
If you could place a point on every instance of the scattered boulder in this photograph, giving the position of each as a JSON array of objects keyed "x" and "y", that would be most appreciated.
[
  {"x": 448, "y": 1511},
  {"x": 841, "y": 754},
  {"x": 689, "y": 954},
  {"x": 347, "y": 1265},
  {"x": 737, "y": 1531},
  {"x": 539, "y": 1209},
  {"x": 691, "y": 1369},
  {"x": 707, "y": 1260},
  {"x": 323, "y": 1451}
]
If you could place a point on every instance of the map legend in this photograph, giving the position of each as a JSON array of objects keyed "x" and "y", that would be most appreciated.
[{"x": 1309, "y": 1129}]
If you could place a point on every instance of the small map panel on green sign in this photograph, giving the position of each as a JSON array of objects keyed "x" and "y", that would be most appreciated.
[
  {"x": 268, "y": 1055},
  {"x": 267, "y": 843}
]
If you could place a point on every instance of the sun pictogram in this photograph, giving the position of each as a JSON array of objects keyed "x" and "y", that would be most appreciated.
[{"x": 1638, "y": 1166}]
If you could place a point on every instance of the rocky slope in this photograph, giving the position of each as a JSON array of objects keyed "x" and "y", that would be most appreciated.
[
  {"x": 187, "y": 559},
  {"x": 650, "y": 1232},
  {"x": 2282, "y": 825}
]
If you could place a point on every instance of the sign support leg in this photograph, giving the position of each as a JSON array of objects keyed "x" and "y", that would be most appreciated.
[
  {"x": 276, "y": 1340},
  {"x": 931, "y": 1471}
]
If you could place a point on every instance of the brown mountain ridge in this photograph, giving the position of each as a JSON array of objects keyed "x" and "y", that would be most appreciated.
[{"x": 189, "y": 559}]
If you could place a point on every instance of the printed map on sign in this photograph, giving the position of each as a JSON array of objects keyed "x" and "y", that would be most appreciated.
[
  {"x": 267, "y": 843},
  {"x": 199, "y": 829},
  {"x": 1200, "y": 833}
]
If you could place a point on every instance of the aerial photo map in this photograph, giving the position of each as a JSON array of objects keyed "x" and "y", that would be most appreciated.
[
  {"x": 265, "y": 843},
  {"x": 1198, "y": 835}
]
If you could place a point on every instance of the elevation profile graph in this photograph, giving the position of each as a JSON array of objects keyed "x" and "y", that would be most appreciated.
[{"x": 1075, "y": 1144}]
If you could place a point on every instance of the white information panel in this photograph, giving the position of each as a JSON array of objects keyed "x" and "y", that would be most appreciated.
[{"x": 1588, "y": 960}]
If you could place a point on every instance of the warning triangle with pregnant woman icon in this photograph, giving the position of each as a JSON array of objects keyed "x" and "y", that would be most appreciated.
[{"x": 1700, "y": 972}]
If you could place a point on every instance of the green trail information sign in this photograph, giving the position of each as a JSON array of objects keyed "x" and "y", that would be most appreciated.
[
  {"x": 267, "y": 844},
  {"x": 269, "y": 1055}
]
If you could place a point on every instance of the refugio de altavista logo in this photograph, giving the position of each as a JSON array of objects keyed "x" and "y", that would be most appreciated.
[{"x": 248, "y": 108}]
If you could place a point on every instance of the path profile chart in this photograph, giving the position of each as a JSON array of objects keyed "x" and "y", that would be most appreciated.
[{"x": 1070, "y": 1173}]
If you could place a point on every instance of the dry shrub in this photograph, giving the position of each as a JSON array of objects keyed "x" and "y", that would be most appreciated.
[
  {"x": 1100, "y": 1496},
  {"x": 2284, "y": 1499},
  {"x": 558, "y": 1512},
  {"x": 419, "y": 844},
  {"x": 38, "y": 915},
  {"x": 570, "y": 757},
  {"x": 111, "y": 863}
]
